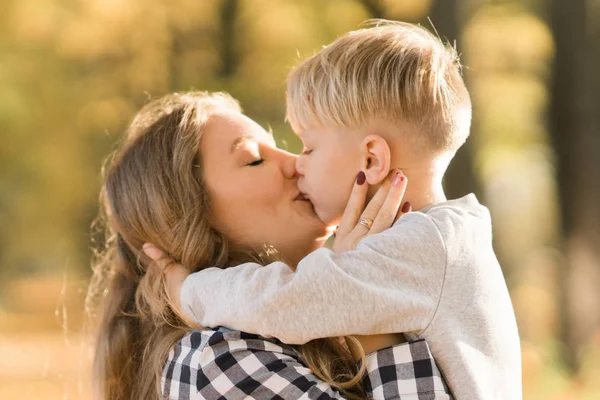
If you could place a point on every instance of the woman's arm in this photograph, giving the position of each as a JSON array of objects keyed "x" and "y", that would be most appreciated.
[{"x": 232, "y": 365}]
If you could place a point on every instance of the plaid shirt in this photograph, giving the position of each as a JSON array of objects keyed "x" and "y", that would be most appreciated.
[{"x": 230, "y": 365}]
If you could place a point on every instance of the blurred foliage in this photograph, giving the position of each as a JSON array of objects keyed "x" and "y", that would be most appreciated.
[{"x": 73, "y": 73}]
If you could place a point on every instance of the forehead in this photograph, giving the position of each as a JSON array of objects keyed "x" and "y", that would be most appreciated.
[
  {"x": 226, "y": 130},
  {"x": 320, "y": 132}
]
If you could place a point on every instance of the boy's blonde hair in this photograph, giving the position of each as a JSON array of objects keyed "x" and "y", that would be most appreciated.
[{"x": 396, "y": 71}]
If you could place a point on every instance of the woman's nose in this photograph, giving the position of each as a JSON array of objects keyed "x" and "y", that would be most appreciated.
[
  {"x": 289, "y": 165},
  {"x": 299, "y": 166}
]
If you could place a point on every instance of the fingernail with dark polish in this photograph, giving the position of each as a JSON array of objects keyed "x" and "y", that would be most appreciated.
[
  {"x": 398, "y": 179},
  {"x": 406, "y": 207},
  {"x": 361, "y": 178}
]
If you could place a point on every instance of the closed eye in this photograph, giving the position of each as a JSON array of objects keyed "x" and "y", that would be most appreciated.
[
  {"x": 306, "y": 152},
  {"x": 257, "y": 162}
]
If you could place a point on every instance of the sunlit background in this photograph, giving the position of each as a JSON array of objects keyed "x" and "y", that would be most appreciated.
[{"x": 73, "y": 73}]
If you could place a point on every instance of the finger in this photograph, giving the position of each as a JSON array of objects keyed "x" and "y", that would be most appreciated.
[
  {"x": 174, "y": 272},
  {"x": 153, "y": 252},
  {"x": 355, "y": 205},
  {"x": 372, "y": 209},
  {"x": 391, "y": 206},
  {"x": 406, "y": 208},
  {"x": 161, "y": 259},
  {"x": 370, "y": 213}
]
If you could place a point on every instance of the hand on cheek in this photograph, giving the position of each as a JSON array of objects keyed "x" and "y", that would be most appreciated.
[{"x": 378, "y": 215}]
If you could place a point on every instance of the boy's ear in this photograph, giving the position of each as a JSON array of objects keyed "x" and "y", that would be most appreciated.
[{"x": 376, "y": 158}]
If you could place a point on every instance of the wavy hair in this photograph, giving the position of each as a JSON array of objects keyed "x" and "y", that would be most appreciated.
[{"x": 153, "y": 191}]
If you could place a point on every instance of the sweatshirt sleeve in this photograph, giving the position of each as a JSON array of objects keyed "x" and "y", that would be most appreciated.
[{"x": 391, "y": 282}]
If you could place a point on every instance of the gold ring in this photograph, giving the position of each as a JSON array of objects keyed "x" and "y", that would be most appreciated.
[{"x": 366, "y": 222}]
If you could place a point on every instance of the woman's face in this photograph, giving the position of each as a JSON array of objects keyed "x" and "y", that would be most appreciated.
[{"x": 252, "y": 187}]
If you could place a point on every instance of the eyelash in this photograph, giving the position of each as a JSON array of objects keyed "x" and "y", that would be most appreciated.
[
  {"x": 256, "y": 163},
  {"x": 306, "y": 152}
]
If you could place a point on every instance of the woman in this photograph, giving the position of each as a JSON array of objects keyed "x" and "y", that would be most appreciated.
[{"x": 208, "y": 185}]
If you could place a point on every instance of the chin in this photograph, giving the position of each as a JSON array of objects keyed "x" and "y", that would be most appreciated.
[{"x": 328, "y": 219}]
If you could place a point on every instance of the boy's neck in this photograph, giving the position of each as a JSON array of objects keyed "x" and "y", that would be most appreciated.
[
  {"x": 424, "y": 170},
  {"x": 424, "y": 189}
]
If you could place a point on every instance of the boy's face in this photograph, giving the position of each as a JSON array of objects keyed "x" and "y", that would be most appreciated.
[{"x": 327, "y": 168}]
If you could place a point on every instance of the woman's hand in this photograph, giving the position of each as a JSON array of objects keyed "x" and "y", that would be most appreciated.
[
  {"x": 382, "y": 211},
  {"x": 175, "y": 273},
  {"x": 359, "y": 221}
]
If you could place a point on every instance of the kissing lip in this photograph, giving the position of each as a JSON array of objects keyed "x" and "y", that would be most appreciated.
[
  {"x": 305, "y": 198},
  {"x": 301, "y": 197}
]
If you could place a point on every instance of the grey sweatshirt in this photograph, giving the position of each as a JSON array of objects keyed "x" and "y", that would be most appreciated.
[{"x": 432, "y": 275}]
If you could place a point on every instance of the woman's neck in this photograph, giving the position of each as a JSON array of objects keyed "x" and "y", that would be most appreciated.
[{"x": 292, "y": 257}]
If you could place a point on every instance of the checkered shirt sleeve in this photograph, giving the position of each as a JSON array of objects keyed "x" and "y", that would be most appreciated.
[
  {"x": 406, "y": 372},
  {"x": 231, "y": 365}
]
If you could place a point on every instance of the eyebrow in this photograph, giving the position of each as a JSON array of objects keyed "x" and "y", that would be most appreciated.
[{"x": 237, "y": 143}]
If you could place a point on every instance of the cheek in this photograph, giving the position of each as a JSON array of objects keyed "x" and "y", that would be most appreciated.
[
  {"x": 240, "y": 209},
  {"x": 233, "y": 202},
  {"x": 331, "y": 186},
  {"x": 330, "y": 174}
]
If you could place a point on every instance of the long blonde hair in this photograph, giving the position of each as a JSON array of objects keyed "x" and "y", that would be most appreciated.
[{"x": 154, "y": 192}]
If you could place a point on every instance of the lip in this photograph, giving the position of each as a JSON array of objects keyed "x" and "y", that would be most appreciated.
[
  {"x": 301, "y": 197},
  {"x": 304, "y": 198}
]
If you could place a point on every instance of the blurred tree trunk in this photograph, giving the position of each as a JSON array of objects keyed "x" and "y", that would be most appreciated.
[
  {"x": 375, "y": 8},
  {"x": 575, "y": 124},
  {"x": 177, "y": 46},
  {"x": 460, "y": 178},
  {"x": 228, "y": 51}
]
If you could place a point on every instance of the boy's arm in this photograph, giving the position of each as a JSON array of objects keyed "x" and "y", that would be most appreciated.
[{"x": 391, "y": 282}]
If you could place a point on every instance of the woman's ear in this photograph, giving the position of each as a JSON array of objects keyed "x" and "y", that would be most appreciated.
[{"x": 376, "y": 158}]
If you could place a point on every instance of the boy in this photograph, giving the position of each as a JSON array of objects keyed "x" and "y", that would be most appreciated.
[{"x": 390, "y": 96}]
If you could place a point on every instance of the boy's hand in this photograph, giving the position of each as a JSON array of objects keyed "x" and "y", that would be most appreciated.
[
  {"x": 175, "y": 273},
  {"x": 359, "y": 221}
]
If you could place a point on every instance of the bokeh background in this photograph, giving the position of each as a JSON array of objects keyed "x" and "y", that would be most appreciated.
[{"x": 73, "y": 73}]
